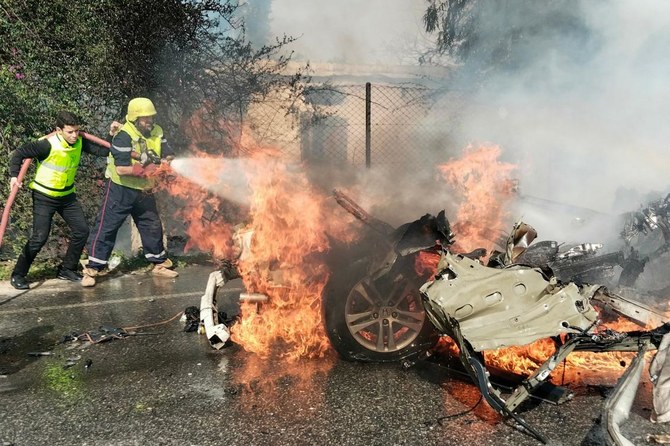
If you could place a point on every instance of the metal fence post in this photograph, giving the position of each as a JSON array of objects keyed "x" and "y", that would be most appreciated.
[{"x": 368, "y": 133}]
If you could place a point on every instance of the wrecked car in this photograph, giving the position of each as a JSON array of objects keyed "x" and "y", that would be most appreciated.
[
  {"x": 379, "y": 307},
  {"x": 372, "y": 305},
  {"x": 483, "y": 307},
  {"x": 373, "y": 308}
]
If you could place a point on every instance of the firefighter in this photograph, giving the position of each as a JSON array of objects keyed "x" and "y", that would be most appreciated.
[
  {"x": 53, "y": 191},
  {"x": 136, "y": 150}
]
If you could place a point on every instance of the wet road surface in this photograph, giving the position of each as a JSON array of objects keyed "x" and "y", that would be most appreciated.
[{"x": 168, "y": 387}]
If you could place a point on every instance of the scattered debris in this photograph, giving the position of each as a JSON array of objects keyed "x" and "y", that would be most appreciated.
[
  {"x": 658, "y": 439},
  {"x": 70, "y": 363},
  {"x": 40, "y": 353},
  {"x": 217, "y": 333},
  {"x": 212, "y": 321},
  {"x": 619, "y": 402},
  {"x": 102, "y": 334},
  {"x": 191, "y": 319},
  {"x": 464, "y": 302}
]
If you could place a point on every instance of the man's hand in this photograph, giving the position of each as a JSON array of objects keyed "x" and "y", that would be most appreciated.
[
  {"x": 114, "y": 128},
  {"x": 14, "y": 182},
  {"x": 144, "y": 159}
]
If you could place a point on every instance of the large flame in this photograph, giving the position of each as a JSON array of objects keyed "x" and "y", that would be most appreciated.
[
  {"x": 486, "y": 187},
  {"x": 291, "y": 223}
]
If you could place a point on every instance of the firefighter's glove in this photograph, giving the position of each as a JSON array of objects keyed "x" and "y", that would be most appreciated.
[
  {"x": 149, "y": 157},
  {"x": 152, "y": 157},
  {"x": 139, "y": 171},
  {"x": 150, "y": 169}
]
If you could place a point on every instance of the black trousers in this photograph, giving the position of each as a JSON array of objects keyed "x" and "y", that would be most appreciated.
[
  {"x": 118, "y": 203},
  {"x": 44, "y": 208}
]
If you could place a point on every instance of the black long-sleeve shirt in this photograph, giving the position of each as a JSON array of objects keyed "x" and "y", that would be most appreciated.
[{"x": 41, "y": 149}]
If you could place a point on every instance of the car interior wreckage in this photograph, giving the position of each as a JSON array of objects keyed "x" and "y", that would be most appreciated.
[{"x": 378, "y": 308}]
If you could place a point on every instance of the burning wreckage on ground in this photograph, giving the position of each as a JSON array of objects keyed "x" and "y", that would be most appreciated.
[{"x": 380, "y": 306}]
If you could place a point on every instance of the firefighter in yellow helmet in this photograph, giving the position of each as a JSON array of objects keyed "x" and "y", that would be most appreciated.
[
  {"x": 136, "y": 150},
  {"x": 57, "y": 156}
]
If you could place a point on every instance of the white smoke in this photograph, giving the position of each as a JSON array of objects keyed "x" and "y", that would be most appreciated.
[
  {"x": 586, "y": 124},
  {"x": 587, "y": 129},
  {"x": 348, "y": 31}
]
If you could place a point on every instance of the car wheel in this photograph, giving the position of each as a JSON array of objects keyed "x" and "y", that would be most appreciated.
[{"x": 376, "y": 320}]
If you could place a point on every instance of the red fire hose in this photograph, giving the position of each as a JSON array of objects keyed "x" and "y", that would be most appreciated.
[{"x": 22, "y": 173}]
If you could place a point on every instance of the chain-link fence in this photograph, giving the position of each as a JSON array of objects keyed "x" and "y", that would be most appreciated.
[
  {"x": 373, "y": 125},
  {"x": 360, "y": 125}
]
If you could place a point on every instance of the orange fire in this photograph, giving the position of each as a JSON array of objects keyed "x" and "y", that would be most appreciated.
[
  {"x": 425, "y": 264},
  {"x": 578, "y": 365},
  {"x": 291, "y": 223},
  {"x": 206, "y": 216},
  {"x": 486, "y": 187}
]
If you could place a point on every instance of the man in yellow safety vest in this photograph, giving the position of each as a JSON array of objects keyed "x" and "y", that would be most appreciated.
[
  {"x": 136, "y": 150},
  {"x": 53, "y": 190}
]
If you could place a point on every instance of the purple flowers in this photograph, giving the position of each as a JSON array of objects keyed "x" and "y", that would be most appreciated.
[{"x": 16, "y": 70}]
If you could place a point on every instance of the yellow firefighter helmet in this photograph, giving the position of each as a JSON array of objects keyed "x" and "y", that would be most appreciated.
[{"x": 138, "y": 107}]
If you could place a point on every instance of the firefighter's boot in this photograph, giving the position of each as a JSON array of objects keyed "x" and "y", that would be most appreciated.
[
  {"x": 89, "y": 277},
  {"x": 163, "y": 269}
]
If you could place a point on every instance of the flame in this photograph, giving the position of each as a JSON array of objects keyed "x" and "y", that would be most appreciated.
[
  {"x": 579, "y": 366},
  {"x": 291, "y": 222},
  {"x": 425, "y": 264},
  {"x": 486, "y": 187}
]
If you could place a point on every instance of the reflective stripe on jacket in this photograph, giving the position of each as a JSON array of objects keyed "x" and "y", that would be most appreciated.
[
  {"x": 139, "y": 144},
  {"x": 55, "y": 175}
]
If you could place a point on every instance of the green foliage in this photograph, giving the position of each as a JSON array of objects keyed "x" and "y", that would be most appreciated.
[{"x": 92, "y": 56}]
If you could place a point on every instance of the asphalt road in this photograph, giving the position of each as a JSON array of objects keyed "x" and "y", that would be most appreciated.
[{"x": 168, "y": 387}]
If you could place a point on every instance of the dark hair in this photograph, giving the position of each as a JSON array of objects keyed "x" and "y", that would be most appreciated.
[{"x": 64, "y": 118}]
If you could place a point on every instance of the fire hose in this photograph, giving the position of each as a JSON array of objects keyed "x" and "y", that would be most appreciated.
[{"x": 24, "y": 168}]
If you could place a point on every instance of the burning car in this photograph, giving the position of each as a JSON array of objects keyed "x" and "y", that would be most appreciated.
[{"x": 379, "y": 305}]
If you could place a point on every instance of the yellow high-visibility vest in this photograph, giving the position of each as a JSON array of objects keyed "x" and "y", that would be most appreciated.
[
  {"x": 55, "y": 175},
  {"x": 139, "y": 144}
]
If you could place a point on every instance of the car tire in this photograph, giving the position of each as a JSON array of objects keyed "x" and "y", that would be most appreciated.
[{"x": 380, "y": 320}]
